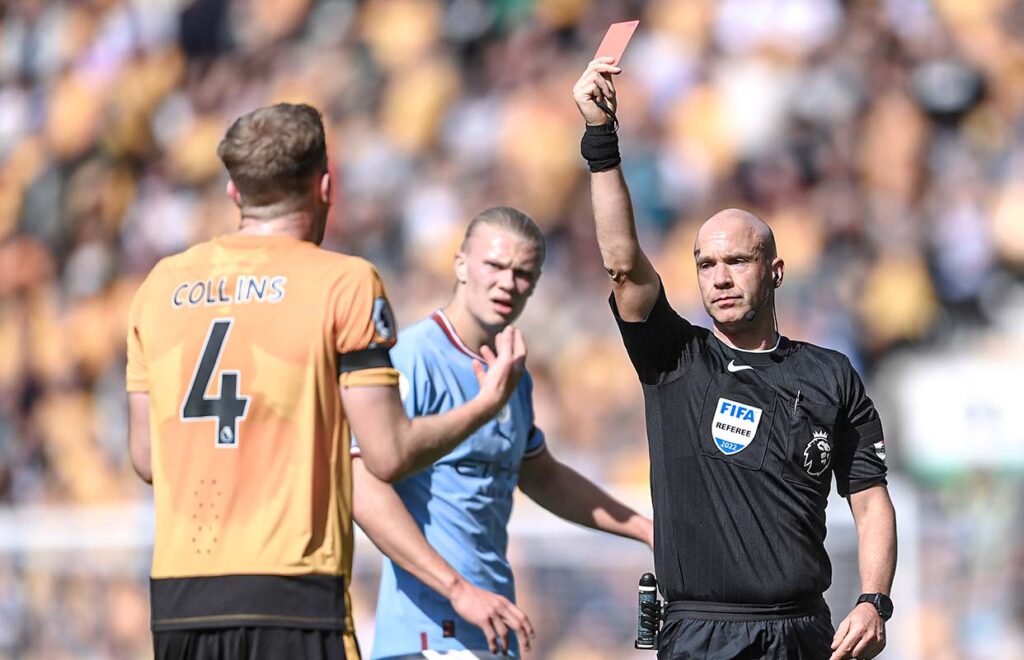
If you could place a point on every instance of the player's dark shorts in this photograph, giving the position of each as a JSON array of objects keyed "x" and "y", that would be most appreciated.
[
  {"x": 256, "y": 643},
  {"x": 719, "y": 631}
]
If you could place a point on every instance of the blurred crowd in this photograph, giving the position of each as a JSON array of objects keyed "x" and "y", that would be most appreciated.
[{"x": 882, "y": 139}]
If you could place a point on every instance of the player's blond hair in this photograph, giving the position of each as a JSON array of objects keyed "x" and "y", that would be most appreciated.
[{"x": 510, "y": 219}]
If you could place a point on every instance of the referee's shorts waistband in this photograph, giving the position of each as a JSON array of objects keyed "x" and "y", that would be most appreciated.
[{"x": 711, "y": 611}]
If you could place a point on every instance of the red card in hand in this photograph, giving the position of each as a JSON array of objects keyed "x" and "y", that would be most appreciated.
[{"x": 615, "y": 40}]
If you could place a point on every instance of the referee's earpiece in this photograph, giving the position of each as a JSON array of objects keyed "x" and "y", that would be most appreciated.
[{"x": 777, "y": 279}]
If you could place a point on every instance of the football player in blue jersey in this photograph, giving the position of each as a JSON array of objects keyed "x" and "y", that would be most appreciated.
[{"x": 446, "y": 583}]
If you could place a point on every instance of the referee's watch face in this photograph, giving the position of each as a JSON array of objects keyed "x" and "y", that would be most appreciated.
[{"x": 735, "y": 274}]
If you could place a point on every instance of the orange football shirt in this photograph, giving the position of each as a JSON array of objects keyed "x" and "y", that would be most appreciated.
[{"x": 239, "y": 342}]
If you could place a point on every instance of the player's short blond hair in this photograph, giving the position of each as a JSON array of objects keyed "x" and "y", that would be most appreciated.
[
  {"x": 510, "y": 219},
  {"x": 271, "y": 153}
]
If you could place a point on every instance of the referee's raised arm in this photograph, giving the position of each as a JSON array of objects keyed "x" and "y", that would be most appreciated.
[{"x": 634, "y": 281}]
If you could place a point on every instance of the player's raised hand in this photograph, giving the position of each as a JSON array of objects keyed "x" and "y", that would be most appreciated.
[
  {"x": 495, "y": 615},
  {"x": 505, "y": 366},
  {"x": 596, "y": 86},
  {"x": 860, "y": 635}
]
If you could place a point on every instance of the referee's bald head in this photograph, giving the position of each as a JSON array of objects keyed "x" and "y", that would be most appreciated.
[{"x": 739, "y": 224}]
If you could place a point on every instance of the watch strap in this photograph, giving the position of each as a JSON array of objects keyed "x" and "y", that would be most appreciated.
[{"x": 881, "y": 602}]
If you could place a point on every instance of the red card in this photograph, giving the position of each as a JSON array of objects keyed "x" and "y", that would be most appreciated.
[{"x": 615, "y": 40}]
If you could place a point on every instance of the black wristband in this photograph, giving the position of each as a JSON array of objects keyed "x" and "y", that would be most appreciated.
[{"x": 600, "y": 147}]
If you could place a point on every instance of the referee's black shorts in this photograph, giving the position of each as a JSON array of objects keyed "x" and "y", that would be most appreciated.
[
  {"x": 691, "y": 633},
  {"x": 256, "y": 643}
]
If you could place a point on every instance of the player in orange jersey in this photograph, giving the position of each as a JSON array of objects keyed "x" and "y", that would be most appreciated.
[{"x": 236, "y": 349}]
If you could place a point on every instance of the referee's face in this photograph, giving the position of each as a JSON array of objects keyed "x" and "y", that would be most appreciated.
[
  {"x": 497, "y": 272},
  {"x": 734, "y": 274}
]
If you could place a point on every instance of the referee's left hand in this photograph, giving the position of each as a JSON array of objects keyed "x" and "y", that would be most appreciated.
[{"x": 860, "y": 635}]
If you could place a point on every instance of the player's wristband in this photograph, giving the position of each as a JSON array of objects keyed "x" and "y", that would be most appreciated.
[{"x": 600, "y": 147}]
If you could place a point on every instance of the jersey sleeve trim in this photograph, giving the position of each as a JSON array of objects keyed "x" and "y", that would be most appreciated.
[
  {"x": 535, "y": 452},
  {"x": 137, "y": 385},
  {"x": 536, "y": 443},
  {"x": 380, "y": 376}
]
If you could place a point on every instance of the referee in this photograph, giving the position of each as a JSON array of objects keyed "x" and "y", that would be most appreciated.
[{"x": 746, "y": 431}]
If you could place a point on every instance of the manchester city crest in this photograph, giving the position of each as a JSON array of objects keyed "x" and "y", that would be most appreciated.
[{"x": 817, "y": 453}]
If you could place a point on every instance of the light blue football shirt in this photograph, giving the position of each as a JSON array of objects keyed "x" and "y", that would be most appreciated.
[{"x": 463, "y": 502}]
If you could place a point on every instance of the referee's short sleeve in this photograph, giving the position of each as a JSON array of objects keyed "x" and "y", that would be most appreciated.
[
  {"x": 657, "y": 344},
  {"x": 861, "y": 462}
]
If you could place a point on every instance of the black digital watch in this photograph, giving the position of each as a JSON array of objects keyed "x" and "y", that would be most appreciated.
[{"x": 881, "y": 602}]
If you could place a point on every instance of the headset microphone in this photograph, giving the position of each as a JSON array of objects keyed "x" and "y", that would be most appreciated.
[{"x": 752, "y": 314}]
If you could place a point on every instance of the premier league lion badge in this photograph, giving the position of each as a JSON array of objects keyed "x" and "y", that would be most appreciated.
[
  {"x": 817, "y": 454},
  {"x": 383, "y": 322}
]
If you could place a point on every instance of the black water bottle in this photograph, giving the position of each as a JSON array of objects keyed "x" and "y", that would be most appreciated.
[{"x": 648, "y": 613}]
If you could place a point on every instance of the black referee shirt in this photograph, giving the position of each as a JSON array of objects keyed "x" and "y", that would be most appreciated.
[{"x": 743, "y": 447}]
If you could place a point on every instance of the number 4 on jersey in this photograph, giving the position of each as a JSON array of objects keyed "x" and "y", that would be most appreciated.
[{"x": 227, "y": 407}]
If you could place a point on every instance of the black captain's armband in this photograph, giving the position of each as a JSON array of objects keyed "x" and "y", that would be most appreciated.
[{"x": 368, "y": 358}]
